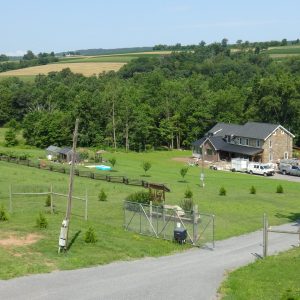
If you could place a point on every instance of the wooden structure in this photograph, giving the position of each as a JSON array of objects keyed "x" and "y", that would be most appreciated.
[{"x": 157, "y": 191}]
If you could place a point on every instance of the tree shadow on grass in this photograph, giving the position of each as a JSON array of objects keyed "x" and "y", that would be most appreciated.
[
  {"x": 182, "y": 181},
  {"x": 145, "y": 175},
  {"x": 294, "y": 217},
  {"x": 73, "y": 239}
]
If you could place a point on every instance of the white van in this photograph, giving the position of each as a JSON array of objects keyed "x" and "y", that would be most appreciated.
[{"x": 260, "y": 169}]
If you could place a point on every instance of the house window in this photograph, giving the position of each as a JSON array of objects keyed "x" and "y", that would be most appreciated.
[
  {"x": 247, "y": 142},
  {"x": 239, "y": 141},
  {"x": 270, "y": 156},
  {"x": 258, "y": 143},
  {"x": 275, "y": 132},
  {"x": 286, "y": 155},
  {"x": 270, "y": 144},
  {"x": 209, "y": 152}
]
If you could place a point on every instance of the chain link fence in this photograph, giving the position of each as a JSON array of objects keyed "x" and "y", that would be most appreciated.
[{"x": 160, "y": 222}]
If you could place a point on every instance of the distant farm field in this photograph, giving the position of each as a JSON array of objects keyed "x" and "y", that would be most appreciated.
[
  {"x": 284, "y": 51},
  {"x": 87, "y": 69}
]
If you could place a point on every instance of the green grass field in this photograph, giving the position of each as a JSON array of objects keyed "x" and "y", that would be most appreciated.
[
  {"x": 276, "y": 277},
  {"x": 236, "y": 213}
]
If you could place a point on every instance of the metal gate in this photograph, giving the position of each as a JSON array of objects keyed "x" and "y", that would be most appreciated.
[{"x": 160, "y": 222}]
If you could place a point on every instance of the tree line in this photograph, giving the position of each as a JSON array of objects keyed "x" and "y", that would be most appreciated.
[
  {"x": 156, "y": 102},
  {"x": 28, "y": 60}
]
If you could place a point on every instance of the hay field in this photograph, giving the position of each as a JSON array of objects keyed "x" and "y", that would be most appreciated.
[{"x": 86, "y": 68}]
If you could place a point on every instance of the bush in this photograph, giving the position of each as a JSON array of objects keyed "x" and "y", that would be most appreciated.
[
  {"x": 41, "y": 221},
  {"x": 187, "y": 204},
  {"x": 222, "y": 191},
  {"x": 140, "y": 197},
  {"x": 188, "y": 193},
  {"x": 183, "y": 171},
  {"x": 112, "y": 161},
  {"x": 252, "y": 190},
  {"x": 10, "y": 138},
  {"x": 146, "y": 166},
  {"x": 48, "y": 201},
  {"x": 102, "y": 196},
  {"x": 279, "y": 189},
  {"x": 83, "y": 155},
  {"x": 3, "y": 214},
  {"x": 90, "y": 236}
]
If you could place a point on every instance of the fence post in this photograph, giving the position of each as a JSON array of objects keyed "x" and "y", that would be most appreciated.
[
  {"x": 86, "y": 205},
  {"x": 164, "y": 220},
  {"x": 10, "y": 199},
  {"x": 195, "y": 224},
  {"x": 140, "y": 205},
  {"x": 265, "y": 236},
  {"x": 150, "y": 215},
  {"x": 213, "y": 233},
  {"x": 51, "y": 198}
]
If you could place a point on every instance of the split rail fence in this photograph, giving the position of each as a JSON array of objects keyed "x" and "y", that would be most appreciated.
[
  {"x": 80, "y": 173},
  {"x": 19, "y": 195}
]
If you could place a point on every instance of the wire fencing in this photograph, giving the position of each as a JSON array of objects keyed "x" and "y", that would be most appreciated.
[{"x": 160, "y": 222}]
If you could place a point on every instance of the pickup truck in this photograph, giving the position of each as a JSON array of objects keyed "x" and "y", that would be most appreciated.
[{"x": 260, "y": 169}]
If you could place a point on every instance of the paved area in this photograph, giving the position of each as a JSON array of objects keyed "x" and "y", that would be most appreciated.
[
  {"x": 286, "y": 177},
  {"x": 194, "y": 274}
]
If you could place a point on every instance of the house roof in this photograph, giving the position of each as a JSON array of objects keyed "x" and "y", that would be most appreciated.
[
  {"x": 220, "y": 145},
  {"x": 254, "y": 130},
  {"x": 65, "y": 150},
  {"x": 53, "y": 149}
]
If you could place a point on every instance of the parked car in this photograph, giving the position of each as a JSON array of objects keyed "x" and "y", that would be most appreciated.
[
  {"x": 285, "y": 165},
  {"x": 260, "y": 169},
  {"x": 284, "y": 168},
  {"x": 295, "y": 170}
]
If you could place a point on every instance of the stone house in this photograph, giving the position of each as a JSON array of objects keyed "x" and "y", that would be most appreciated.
[{"x": 261, "y": 142}]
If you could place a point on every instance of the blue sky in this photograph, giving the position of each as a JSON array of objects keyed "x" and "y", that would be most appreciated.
[{"x": 61, "y": 25}]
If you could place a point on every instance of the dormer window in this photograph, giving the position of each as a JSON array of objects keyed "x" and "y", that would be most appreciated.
[
  {"x": 247, "y": 142},
  {"x": 257, "y": 143}
]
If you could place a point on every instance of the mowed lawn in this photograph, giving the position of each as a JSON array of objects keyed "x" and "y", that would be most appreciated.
[
  {"x": 236, "y": 213},
  {"x": 276, "y": 277}
]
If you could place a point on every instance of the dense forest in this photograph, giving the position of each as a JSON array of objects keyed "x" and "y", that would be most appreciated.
[{"x": 155, "y": 102}]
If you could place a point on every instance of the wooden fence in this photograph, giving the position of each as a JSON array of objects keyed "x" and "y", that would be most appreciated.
[{"x": 82, "y": 173}]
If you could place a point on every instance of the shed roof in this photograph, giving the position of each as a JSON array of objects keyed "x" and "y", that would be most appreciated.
[
  {"x": 54, "y": 149},
  {"x": 65, "y": 150}
]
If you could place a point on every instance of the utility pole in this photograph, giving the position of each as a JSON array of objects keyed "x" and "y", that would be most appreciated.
[{"x": 63, "y": 237}]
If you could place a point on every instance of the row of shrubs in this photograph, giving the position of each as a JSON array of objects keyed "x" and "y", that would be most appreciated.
[{"x": 279, "y": 190}]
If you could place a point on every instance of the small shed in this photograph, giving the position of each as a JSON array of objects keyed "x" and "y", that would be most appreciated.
[
  {"x": 52, "y": 152},
  {"x": 65, "y": 155}
]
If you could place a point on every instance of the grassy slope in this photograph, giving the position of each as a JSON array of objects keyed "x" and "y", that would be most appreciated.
[
  {"x": 236, "y": 213},
  {"x": 276, "y": 277}
]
